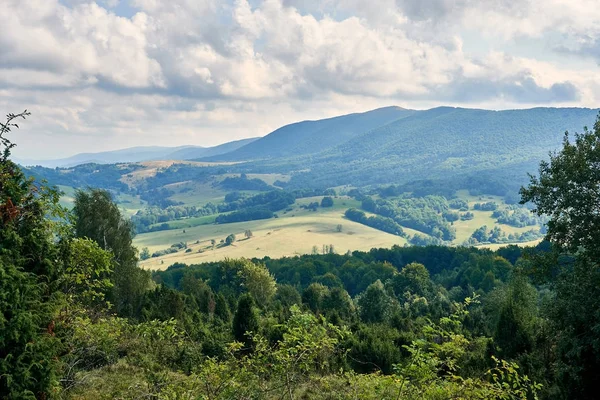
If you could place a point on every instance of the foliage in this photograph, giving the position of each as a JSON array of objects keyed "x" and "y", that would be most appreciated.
[
  {"x": 30, "y": 272},
  {"x": 384, "y": 224},
  {"x": 257, "y": 280},
  {"x": 230, "y": 239},
  {"x": 275, "y": 200},
  {"x": 245, "y": 321},
  {"x": 243, "y": 183},
  {"x": 327, "y": 202},
  {"x": 566, "y": 190},
  {"x": 87, "y": 272},
  {"x": 98, "y": 218},
  {"x": 248, "y": 214},
  {"x": 489, "y": 206}
]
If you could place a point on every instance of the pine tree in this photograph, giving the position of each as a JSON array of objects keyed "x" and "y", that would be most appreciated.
[
  {"x": 222, "y": 311},
  {"x": 29, "y": 280},
  {"x": 245, "y": 321}
]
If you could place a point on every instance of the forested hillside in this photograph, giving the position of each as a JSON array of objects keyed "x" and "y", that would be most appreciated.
[
  {"x": 311, "y": 137},
  {"x": 445, "y": 143}
]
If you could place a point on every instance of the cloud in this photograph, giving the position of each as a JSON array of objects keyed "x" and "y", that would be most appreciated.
[
  {"x": 86, "y": 41},
  {"x": 210, "y": 71}
]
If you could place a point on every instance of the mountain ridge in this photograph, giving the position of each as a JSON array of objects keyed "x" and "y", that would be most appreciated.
[
  {"x": 138, "y": 154},
  {"x": 304, "y": 136}
]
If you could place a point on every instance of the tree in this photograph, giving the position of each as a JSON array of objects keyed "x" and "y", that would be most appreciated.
[
  {"x": 200, "y": 292},
  {"x": 245, "y": 320},
  {"x": 287, "y": 295},
  {"x": 222, "y": 309},
  {"x": 230, "y": 239},
  {"x": 517, "y": 317},
  {"x": 98, "y": 218},
  {"x": 567, "y": 190},
  {"x": 258, "y": 281},
  {"x": 30, "y": 277},
  {"x": 145, "y": 254},
  {"x": 374, "y": 304},
  {"x": 481, "y": 234},
  {"x": 87, "y": 272},
  {"x": 327, "y": 202},
  {"x": 338, "y": 301},
  {"x": 313, "y": 297},
  {"x": 415, "y": 279}
]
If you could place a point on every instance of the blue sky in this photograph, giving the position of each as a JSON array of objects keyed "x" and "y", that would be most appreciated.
[{"x": 118, "y": 73}]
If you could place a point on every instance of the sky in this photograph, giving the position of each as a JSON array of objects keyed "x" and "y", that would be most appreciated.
[{"x": 112, "y": 74}]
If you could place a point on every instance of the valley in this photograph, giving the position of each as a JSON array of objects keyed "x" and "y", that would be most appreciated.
[{"x": 440, "y": 193}]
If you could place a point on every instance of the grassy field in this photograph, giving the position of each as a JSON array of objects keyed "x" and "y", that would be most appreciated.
[
  {"x": 464, "y": 229},
  {"x": 151, "y": 168},
  {"x": 129, "y": 204},
  {"x": 294, "y": 232},
  {"x": 196, "y": 194}
]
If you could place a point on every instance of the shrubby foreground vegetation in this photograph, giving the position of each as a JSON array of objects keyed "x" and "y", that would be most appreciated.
[{"x": 79, "y": 319}]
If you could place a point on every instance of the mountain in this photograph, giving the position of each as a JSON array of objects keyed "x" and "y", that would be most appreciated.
[
  {"x": 308, "y": 137},
  {"x": 191, "y": 153},
  {"x": 141, "y": 153},
  {"x": 432, "y": 144}
]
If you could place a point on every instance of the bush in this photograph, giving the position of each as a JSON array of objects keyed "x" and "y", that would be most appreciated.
[{"x": 327, "y": 202}]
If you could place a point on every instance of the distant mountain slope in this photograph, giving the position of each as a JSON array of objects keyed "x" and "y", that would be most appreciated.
[
  {"x": 191, "y": 153},
  {"x": 442, "y": 142},
  {"x": 308, "y": 137},
  {"x": 141, "y": 153},
  {"x": 132, "y": 154}
]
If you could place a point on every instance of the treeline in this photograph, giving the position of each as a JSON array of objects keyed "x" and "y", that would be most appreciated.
[
  {"x": 246, "y": 214},
  {"x": 179, "y": 173},
  {"x": 144, "y": 219},
  {"x": 518, "y": 217},
  {"x": 422, "y": 214},
  {"x": 243, "y": 183},
  {"x": 497, "y": 235},
  {"x": 386, "y": 299},
  {"x": 263, "y": 205},
  {"x": 107, "y": 176},
  {"x": 274, "y": 200},
  {"x": 384, "y": 224},
  {"x": 159, "y": 198}
]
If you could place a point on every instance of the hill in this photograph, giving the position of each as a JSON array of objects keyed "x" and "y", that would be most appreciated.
[
  {"x": 191, "y": 153},
  {"x": 139, "y": 154},
  {"x": 309, "y": 137},
  {"x": 441, "y": 143}
]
